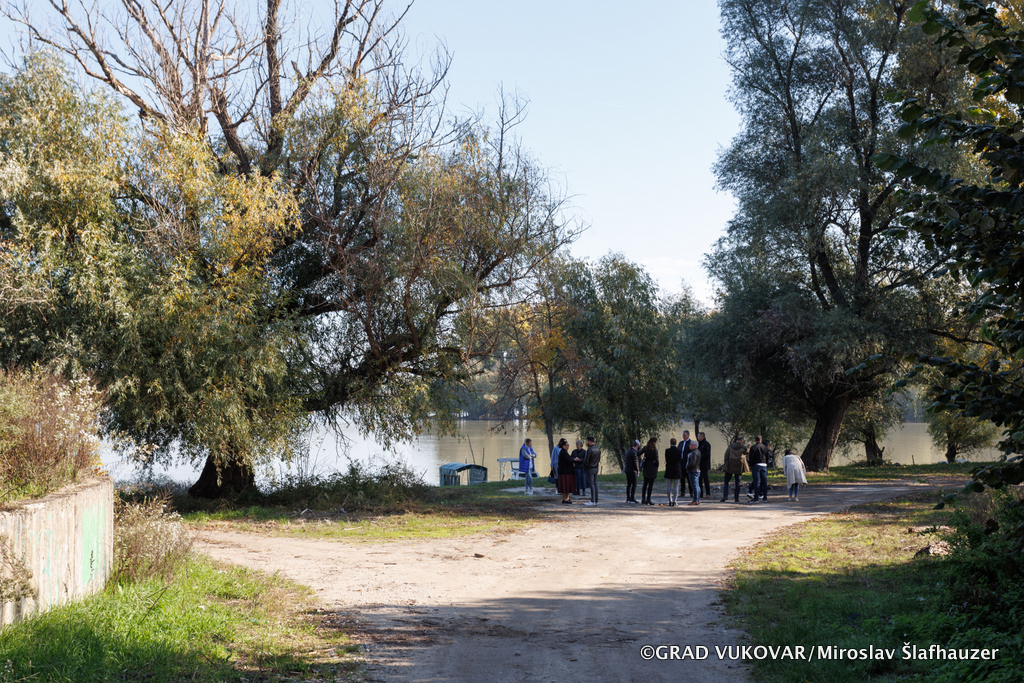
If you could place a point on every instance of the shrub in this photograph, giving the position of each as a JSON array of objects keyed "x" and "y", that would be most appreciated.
[
  {"x": 360, "y": 487},
  {"x": 47, "y": 432},
  {"x": 149, "y": 540}
]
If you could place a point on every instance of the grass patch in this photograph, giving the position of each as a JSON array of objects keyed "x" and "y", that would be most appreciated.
[
  {"x": 426, "y": 512},
  {"x": 845, "y": 474},
  {"x": 848, "y": 580},
  {"x": 209, "y": 623}
]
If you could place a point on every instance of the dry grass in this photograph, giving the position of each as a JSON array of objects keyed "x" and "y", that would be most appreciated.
[
  {"x": 15, "y": 577},
  {"x": 150, "y": 541},
  {"x": 47, "y": 432}
]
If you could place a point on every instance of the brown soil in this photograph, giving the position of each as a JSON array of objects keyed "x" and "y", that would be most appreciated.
[{"x": 574, "y": 598}]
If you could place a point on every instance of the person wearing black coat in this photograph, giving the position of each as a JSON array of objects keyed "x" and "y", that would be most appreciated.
[
  {"x": 566, "y": 472},
  {"x": 632, "y": 468},
  {"x": 673, "y": 471},
  {"x": 705, "y": 465},
  {"x": 758, "y": 459},
  {"x": 579, "y": 457},
  {"x": 650, "y": 468},
  {"x": 684, "y": 449}
]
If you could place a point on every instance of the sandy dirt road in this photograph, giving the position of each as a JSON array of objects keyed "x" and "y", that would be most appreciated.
[{"x": 571, "y": 599}]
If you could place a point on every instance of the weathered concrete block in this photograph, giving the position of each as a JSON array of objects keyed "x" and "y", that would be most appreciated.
[{"x": 66, "y": 541}]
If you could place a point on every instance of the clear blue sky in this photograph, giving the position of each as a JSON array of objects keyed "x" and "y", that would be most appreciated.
[{"x": 628, "y": 108}]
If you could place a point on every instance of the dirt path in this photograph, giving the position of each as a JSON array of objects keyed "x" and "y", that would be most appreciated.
[{"x": 571, "y": 599}]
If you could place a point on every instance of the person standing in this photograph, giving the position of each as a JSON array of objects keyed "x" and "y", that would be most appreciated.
[
  {"x": 758, "y": 459},
  {"x": 693, "y": 472},
  {"x": 734, "y": 461},
  {"x": 684, "y": 450},
  {"x": 554, "y": 459},
  {"x": 592, "y": 464},
  {"x": 526, "y": 458},
  {"x": 566, "y": 483},
  {"x": 578, "y": 457},
  {"x": 650, "y": 467},
  {"x": 705, "y": 466},
  {"x": 632, "y": 468},
  {"x": 796, "y": 473},
  {"x": 673, "y": 471}
]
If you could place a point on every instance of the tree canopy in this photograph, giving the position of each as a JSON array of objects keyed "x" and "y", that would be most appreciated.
[
  {"x": 979, "y": 221},
  {"x": 812, "y": 280},
  {"x": 293, "y": 227}
]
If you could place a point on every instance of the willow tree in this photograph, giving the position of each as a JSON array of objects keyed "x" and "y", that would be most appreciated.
[
  {"x": 402, "y": 226},
  {"x": 622, "y": 333},
  {"x": 812, "y": 280}
]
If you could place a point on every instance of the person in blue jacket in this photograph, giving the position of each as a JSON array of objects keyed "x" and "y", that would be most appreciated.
[{"x": 526, "y": 458}]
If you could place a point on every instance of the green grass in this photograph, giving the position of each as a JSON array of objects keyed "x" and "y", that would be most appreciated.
[
  {"x": 841, "y": 474},
  {"x": 848, "y": 580},
  {"x": 428, "y": 512},
  {"x": 208, "y": 624}
]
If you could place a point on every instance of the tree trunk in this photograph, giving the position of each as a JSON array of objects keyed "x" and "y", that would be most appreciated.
[
  {"x": 696, "y": 427},
  {"x": 549, "y": 430},
  {"x": 951, "y": 452},
  {"x": 871, "y": 449},
  {"x": 818, "y": 451},
  {"x": 620, "y": 454},
  {"x": 233, "y": 478}
]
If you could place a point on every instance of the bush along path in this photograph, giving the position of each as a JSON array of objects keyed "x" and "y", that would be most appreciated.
[{"x": 578, "y": 596}]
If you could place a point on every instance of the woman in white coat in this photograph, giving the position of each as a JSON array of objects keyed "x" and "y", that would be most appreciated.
[{"x": 796, "y": 474}]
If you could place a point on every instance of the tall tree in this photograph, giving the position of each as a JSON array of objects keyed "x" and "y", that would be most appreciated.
[
  {"x": 404, "y": 228},
  {"x": 540, "y": 362},
  {"x": 812, "y": 279},
  {"x": 625, "y": 341}
]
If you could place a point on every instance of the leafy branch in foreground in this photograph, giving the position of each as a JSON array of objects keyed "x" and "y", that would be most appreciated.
[{"x": 980, "y": 224}]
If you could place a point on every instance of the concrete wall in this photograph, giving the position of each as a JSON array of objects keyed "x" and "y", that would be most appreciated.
[{"x": 66, "y": 540}]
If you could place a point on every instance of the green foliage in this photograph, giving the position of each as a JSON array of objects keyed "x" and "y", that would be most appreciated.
[
  {"x": 48, "y": 432},
  {"x": 625, "y": 341},
  {"x": 222, "y": 310},
  {"x": 978, "y": 221},
  {"x": 148, "y": 270},
  {"x": 719, "y": 386},
  {"x": 960, "y": 435},
  {"x": 812, "y": 281},
  {"x": 983, "y": 590}
]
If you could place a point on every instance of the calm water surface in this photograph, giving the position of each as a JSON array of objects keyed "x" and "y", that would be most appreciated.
[{"x": 484, "y": 443}]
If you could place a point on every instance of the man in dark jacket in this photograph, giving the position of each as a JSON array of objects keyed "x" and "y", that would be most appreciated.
[
  {"x": 734, "y": 466},
  {"x": 758, "y": 459},
  {"x": 632, "y": 469},
  {"x": 684, "y": 448},
  {"x": 593, "y": 464},
  {"x": 578, "y": 456},
  {"x": 705, "y": 466}
]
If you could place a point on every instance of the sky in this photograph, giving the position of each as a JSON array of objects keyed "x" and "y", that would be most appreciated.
[{"x": 628, "y": 109}]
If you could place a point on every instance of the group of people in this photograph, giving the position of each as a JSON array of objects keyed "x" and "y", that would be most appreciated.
[{"x": 687, "y": 461}]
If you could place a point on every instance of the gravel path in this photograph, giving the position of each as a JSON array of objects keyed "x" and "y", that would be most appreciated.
[{"x": 573, "y": 598}]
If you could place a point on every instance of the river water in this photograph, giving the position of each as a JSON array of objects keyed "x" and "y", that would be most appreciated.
[{"x": 485, "y": 442}]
